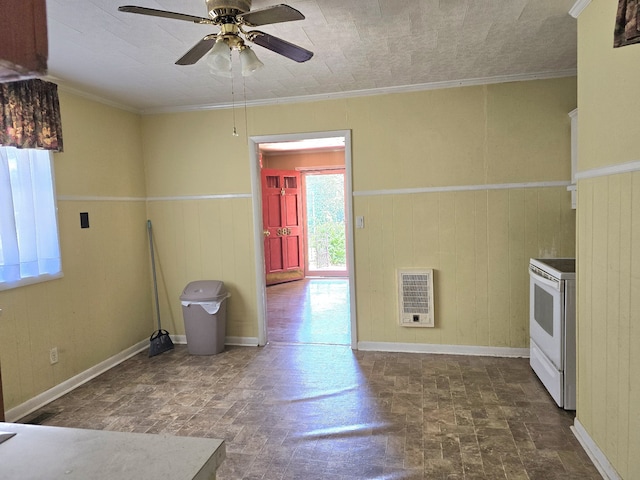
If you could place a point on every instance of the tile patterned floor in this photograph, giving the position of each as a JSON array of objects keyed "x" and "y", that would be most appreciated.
[
  {"x": 309, "y": 311},
  {"x": 301, "y": 411}
]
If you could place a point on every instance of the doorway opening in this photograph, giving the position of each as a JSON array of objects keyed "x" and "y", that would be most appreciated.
[
  {"x": 326, "y": 232},
  {"x": 309, "y": 228}
]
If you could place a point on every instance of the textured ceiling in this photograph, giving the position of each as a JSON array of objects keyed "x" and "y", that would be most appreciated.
[{"x": 359, "y": 45}]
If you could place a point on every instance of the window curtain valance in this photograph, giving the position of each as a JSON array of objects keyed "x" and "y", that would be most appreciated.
[
  {"x": 627, "y": 23},
  {"x": 30, "y": 115}
]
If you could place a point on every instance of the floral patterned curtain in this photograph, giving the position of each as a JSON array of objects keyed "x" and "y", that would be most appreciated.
[
  {"x": 627, "y": 30},
  {"x": 30, "y": 115}
]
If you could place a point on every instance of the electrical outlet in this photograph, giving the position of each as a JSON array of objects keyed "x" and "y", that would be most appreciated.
[{"x": 53, "y": 355}]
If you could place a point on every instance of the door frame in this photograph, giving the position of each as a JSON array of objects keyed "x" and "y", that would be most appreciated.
[{"x": 258, "y": 243}]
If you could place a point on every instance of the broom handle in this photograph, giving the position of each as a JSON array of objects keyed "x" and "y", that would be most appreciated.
[{"x": 153, "y": 269}]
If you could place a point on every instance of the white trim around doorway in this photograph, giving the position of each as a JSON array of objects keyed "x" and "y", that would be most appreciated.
[{"x": 254, "y": 167}]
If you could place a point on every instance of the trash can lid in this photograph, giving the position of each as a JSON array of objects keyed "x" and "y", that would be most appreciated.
[{"x": 204, "y": 291}]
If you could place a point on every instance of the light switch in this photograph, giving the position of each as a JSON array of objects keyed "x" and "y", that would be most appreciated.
[{"x": 359, "y": 222}]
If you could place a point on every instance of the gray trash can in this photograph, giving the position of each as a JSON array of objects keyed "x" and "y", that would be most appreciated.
[{"x": 205, "y": 316}]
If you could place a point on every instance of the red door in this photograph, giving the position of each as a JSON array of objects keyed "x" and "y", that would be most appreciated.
[{"x": 283, "y": 226}]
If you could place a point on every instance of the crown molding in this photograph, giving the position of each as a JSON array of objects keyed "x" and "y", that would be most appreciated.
[
  {"x": 578, "y": 7},
  {"x": 320, "y": 97},
  {"x": 374, "y": 91},
  {"x": 90, "y": 96}
]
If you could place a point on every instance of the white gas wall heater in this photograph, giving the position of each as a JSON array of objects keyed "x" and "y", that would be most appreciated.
[{"x": 415, "y": 297}]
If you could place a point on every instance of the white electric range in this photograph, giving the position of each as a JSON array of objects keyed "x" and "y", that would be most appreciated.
[{"x": 552, "y": 326}]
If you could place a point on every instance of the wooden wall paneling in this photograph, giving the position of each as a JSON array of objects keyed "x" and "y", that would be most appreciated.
[
  {"x": 445, "y": 294},
  {"x": 499, "y": 284},
  {"x": 624, "y": 339},
  {"x": 481, "y": 268},
  {"x": 465, "y": 226},
  {"x": 518, "y": 270},
  {"x": 584, "y": 313},
  {"x": 631, "y": 369},
  {"x": 613, "y": 316},
  {"x": 599, "y": 305}
]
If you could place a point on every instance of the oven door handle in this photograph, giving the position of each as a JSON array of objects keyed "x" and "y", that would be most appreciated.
[{"x": 550, "y": 283}]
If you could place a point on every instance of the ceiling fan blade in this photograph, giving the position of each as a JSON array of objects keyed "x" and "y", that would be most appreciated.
[
  {"x": 198, "y": 51},
  {"x": 164, "y": 14},
  {"x": 275, "y": 14},
  {"x": 275, "y": 44}
]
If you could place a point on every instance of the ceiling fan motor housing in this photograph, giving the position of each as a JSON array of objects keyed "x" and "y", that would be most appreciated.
[{"x": 222, "y": 8}]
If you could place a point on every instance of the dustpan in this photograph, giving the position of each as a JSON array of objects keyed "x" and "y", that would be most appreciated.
[{"x": 160, "y": 341}]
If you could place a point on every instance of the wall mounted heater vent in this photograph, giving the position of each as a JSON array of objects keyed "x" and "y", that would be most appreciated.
[{"x": 415, "y": 297}]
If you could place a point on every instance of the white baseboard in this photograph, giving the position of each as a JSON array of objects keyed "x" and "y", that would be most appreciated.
[
  {"x": 596, "y": 455},
  {"x": 236, "y": 341},
  {"x": 65, "y": 387},
  {"x": 242, "y": 341},
  {"x": 444, "y": 349}
]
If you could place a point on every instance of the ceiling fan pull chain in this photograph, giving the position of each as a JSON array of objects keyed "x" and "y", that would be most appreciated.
[
  {"x": 233, "y": 108},
  {"x": 244, "y": 96}
]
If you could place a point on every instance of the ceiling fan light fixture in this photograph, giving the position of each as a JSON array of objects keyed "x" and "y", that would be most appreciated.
[
  {"x": 231, "y": 16},
  {"x": 249, "y": 61},
  {"x": 219, "y": 59}
]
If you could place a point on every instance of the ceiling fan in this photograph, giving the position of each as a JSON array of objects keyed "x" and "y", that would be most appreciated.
[{"x": 232, "y": 16}]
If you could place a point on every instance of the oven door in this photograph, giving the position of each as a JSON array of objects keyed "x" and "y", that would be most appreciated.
[{"x": 546, "y": 313}]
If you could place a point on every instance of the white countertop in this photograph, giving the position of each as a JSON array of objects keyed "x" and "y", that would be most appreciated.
[{"x": 52, "y": 453}]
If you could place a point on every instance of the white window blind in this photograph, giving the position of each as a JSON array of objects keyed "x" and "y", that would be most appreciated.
[{"x": 29, "y": 247}]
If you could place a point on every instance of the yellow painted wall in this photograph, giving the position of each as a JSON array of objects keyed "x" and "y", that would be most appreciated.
[
  {"x": 206, "y": 240},
  {"x": 608, "y": 90},
  {"x": 608, "y": 241},
  {"x": 102, "y": 305},
  {"x": 463, "y": 136},
  {"x": 479, "y": 242},
  {"x": 194, "y": 153}
]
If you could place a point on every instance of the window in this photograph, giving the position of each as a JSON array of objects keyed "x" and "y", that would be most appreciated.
[{"x": 29, "y": 247}]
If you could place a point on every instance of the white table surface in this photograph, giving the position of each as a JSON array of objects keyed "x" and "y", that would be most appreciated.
[{"x": 51, "y": 453}]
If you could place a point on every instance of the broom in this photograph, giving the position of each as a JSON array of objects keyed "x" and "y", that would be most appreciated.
[{"x": 160, "y": 340}]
